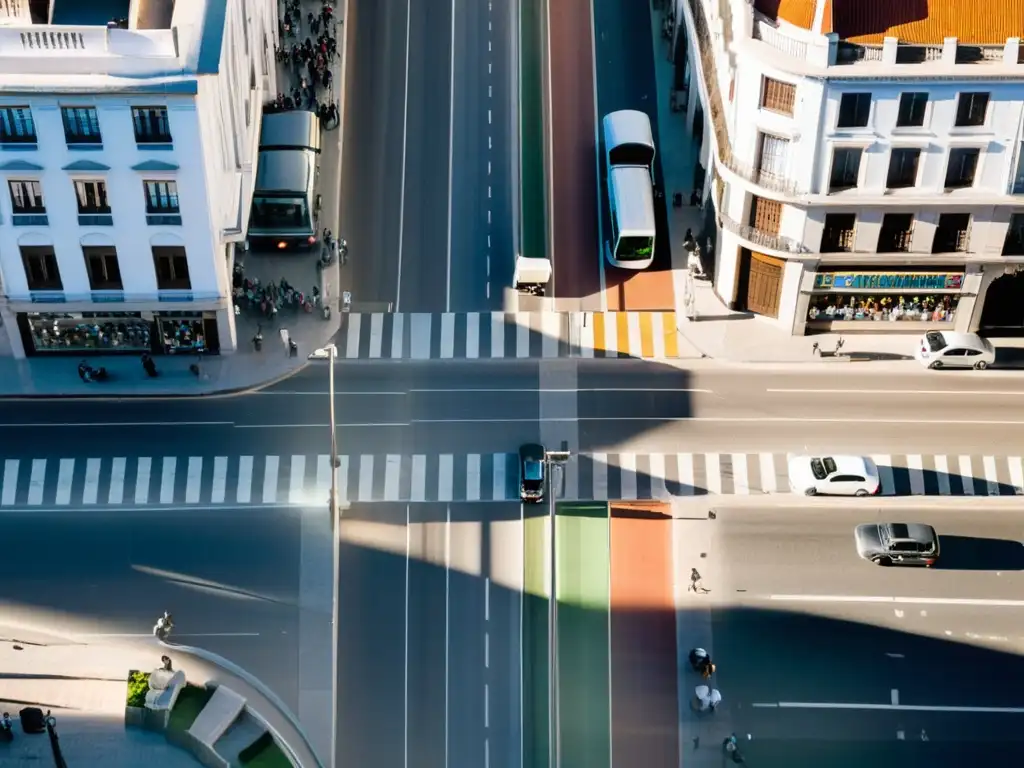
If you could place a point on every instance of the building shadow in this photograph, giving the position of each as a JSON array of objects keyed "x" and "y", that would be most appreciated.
[
  {"x": 978, "y": 553},
  {"x": 935, "y": 483}
]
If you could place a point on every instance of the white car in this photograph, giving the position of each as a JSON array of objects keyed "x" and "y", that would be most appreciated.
[
  {"x": 833, "y": 476},
  {"x": 947, "y": 349}
]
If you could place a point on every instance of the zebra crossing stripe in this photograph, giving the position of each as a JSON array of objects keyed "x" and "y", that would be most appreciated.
[
  {"x": 657, "y": 474},
  {"x": 942, "y": 471},
  {"x": 472, "y": 340},
  {"x": 376, "y": 334},
  {"x": 194, "y": 478},
  {"x": 1016, "y": 474},
  {"x": 392, "y": 477},
  {"x": 522, "y": 334},
  {"x": 295, "y": 480},
  {"x": 714, "y": 473},
  {"x": 966, "y": 476},
  {"x": 419, "y": 336},
  {"x": 767, "y": 462},
  {"x": 915, "y": 466},
  {"x": 633, "y": 337},
  {"x": 342, "y": 486},
  {"x": 685, "y": 464},
  {"x": 740, "y": 479},
  {"x": 657, "y": 320},
  {"x": 92, "y": 481},
  {"x": 365, "y": 487},
  {"x": 65, "y": 476},
  {"x": 270, "y": 470},
  {"x": 418, "y": 491},
  {"x": 36, "y": 482},
  {"x": 473, "y": 477},
  {"x": 170, "y": 464},
  {"x": 220, "y": 478},
  {"x": 991, "y": 475},
  {"x": 500, "y": 483},
  {"x": 587, "y": 335},
  {"x": 355, "y": 322},
  {"x": 116, "y": 493},
  {"x": 323, "y": 477},
  {"x": 446, "y": 462},
  {"x": 142, "y": 475},
  {"x": 10, "y": 482},
  {"x": 886, "y": 481},
  {"x": 599, "y": 463},
  {"x": 627, "y": 475},
  {"x": 397, "y": 330},
  {"x": 447, "y": 336},
  {"x": 497, "y": 334},
  {"x": 243, "y": 493}
]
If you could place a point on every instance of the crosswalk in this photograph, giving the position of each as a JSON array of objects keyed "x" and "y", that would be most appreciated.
[
  {"x": 306, "y": 480},
  {"x": 474, "y": 335}
]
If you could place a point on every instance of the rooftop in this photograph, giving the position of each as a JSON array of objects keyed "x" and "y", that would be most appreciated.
[{"x": 920, "y": 22}]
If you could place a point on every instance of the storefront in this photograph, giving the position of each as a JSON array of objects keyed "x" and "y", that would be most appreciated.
[
  {"x": 111, "y": 333},
  {"x": 899, "y": 301}
]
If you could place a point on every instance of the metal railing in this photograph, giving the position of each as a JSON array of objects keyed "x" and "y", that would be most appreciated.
[
  {"x": 770, "y": 240},
  {"x": 767, "y": 33},
  {"x": 114, "y": 297}
]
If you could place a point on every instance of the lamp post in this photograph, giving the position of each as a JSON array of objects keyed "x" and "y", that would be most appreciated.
[{"x": 555, "y": 460}]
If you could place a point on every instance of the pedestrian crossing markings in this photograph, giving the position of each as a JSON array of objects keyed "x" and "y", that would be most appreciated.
[{"x": 306, "y": 480}]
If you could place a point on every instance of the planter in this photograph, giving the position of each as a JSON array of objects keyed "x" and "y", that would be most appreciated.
[
  {"x": 155, "y": 719},
  {"x": 134, "y": 717}
]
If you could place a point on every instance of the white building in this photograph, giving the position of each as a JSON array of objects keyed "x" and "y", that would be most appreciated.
[
  {"x": 867, "y": 161},
  {"x": 127, "y": 152}
]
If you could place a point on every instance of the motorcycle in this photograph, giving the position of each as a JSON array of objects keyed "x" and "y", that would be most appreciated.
[
  {"x": 88, "y": 374},
  {"x": 162, "y": 628}
]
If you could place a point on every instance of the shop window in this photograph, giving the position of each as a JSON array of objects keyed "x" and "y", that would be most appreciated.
[
  {"x": 839, "y": 232},
  {"x": 1014, "y": 244},
  {"x": 151, "y": 125},
  {"x": 845, "y": 172},
  {"x": 162, "y": 203},
  {"x": 41, "y": 268},
  {"x": 903, "y": 164},
  {"x": 88, "y": 331},
  {"x": 962, "y": 166},
  {"x": 81, "y": 125},
  {"x": 171, "y": 268},
  {"x": 912, "y": 106},
  {"x": 897, "y": 230},
  {"x": 953, "y": 233},
  {"x": 17, "y": 126},
  {"x": 971, "y": 110},
  {"x": 778, "y": 96},
  {"x": 843, "y": 307},
  {"x": 182, "y": 332},
  {"x": 104, "y": 271},
  {"x": 765, "y": 215},
  {"x": 854, "y": 109}
]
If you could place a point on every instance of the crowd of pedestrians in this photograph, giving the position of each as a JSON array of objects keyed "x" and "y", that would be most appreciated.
[{"x": 311, "y": 61}]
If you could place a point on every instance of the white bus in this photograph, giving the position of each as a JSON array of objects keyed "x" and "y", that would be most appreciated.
[
  {"x": 631, "y": 199},
  {"x": 629, "y": 171}
]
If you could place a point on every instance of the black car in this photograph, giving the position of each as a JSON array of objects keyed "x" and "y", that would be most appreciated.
[
  {"x": 897, "y": 543},
  {"x": 531, "y": 472}
]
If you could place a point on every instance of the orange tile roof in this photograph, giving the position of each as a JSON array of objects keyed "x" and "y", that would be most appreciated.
[{"x": 912, "y": 21}]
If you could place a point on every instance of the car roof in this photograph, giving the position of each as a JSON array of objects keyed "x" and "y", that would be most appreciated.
[
  {"x": 965, "y": 340},
  {"x": 921, "y": 532},
  {"x": 531, "y": 451},
  {"x": 856, "y": 464}
]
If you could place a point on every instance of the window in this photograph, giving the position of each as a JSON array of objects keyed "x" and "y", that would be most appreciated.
[
  {"x": 953, "y": 233},
  {"x": 839, "y": 233},
  {"x": 161, "y": 196},
  {"x": 911, "y": 112},
  {"x": 897, "y": 230},
  {"x": 17, "y": 126},
  {"x": 902, "y": 168},
  {"x": 845, "y": 168},
  {"x": 765, "y": 215},
  {"x": 104, "y": 272},
  {"x": 41, "y": 269},
  {"x": 151, "y": 126},
  {"x": 854, "y": 109},
  {"x": 92, "y": 197},
  {"x": 778, "y": 96},
  {"x": 1014, "y": 244},
  {"x": 26, "y": 197},
  {"x": 971, "y": 109},
  {"x": 774, "y": 156},
  {"x": 171, "y": 268},
  {"x": 81, "y": 125},
  {"x": 963, "y": 163}
]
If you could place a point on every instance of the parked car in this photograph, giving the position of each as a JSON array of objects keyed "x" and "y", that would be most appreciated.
[
  {"x": 947, "y": 349},
  {"x": 531, "y": 473},
  {"x": 897, "y": 543},
  {"x": 833, "y": 475}
]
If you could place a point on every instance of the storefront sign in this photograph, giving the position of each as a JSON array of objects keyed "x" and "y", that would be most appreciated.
[{"x": 888, "y": 281}]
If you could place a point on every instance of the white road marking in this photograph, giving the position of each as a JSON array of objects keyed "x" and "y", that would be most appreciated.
[
  {"x": 355, "y": 321},
  {"x": 408, "y": 560},
  {"x": 898, "y": 599},
  {"x": 656, "y": 472},
  {"x": 445, "y": 476},
  {"x": 713, "y": 465},
  {"x": 892, "y": 392},
  {"x": 115, "y": 494},
  {"x": 447, "y": 616},
  {"x": 10, "y": 490},
  {"x": 473, "y": 477},
  {"x": 392, "y": 477},
  {"x": 611, "y": 336},
  {"x": 169, "y": 466},
  {"x": 447, "y": 336},
  {"x": 244, "y": 490},
  {"x": 451, "y": 186},
  {"x": 895, "y": 697},
  {"x": 92, "y": 481},
  {"x": 522, "y": 334},
  {"x": 220, "y": 478},
  {"x": 942, "y": 474},
  {"x": 768, "y": 479},
  {"x": 915, "y": 467},
  {"x": 473, "y": 334},
  {"x": 500, "y": 488},
  {"x": 194, "y": 479},
  {"x": 886, "y": 482},
  {"x": 658, "y": 332},
  {"x": 587, "y": 334},
  {"x": 991, "y": 475},
  {"x": 365, "y": 490},
  {"x": 296, "y": 479},
  {"x": 895, "y": 655},
  {"x": 419, "y": 336},
  {"x": 600, "y": 464},
  {"x": 497, "y": 334},
  {"x": 270, "y": 469},
  {"x": 891, "y": 707},
  {"x": 551, "y": 331},
  {"x": 627, "y": 476},
  {"x": 740, "y": 476},
  {"x": 401, "y": 241},
  {"x": 967, "y": 475},
  {"x": 376, "y": 334},
  {"x": 397, "y": 328},
  {"x": 342, "y": 489},
  {"x": 1016, "y": 474},
  {"x": 65, "y": 478},
  {"x": 633, "y": 334},
  {"x": 418, "y": 489},
  {"x": 684, "y": 462},
  {"x": 142, "y": 472}
]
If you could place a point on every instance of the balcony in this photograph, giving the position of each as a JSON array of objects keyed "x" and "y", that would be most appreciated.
[
  {"x": 115, "y": 297},
  {"x": 45, "y": 49},
  {"x": 769, "y": 240}
]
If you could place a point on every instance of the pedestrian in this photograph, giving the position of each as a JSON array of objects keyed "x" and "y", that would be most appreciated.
[{"x": 148, "y": 365}]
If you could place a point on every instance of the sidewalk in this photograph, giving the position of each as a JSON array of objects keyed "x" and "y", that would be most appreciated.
[{"x": 84, "y": 684}]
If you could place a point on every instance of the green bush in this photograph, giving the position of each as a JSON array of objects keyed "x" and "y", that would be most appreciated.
[
  {"x": 248, "y": 754},
  {"x": 138, "y": 687},
  {"x": 190, "y": 703}
]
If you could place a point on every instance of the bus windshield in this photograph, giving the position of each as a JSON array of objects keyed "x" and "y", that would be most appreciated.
[
  {"x": 280, "y": 213},
  {"x": 634, "y": 248},
  {"x": 631, "y": 154}
]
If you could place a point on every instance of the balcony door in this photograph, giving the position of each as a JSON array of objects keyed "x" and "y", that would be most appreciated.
[{"x": 773, "y": 157}]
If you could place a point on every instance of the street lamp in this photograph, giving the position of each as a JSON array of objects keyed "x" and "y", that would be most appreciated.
[{"x": 555, "y": 460}]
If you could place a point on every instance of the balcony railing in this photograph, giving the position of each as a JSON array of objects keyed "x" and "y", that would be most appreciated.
[
  {"x": 114, "y": 297},
  {"x": 764, "y": 239}
]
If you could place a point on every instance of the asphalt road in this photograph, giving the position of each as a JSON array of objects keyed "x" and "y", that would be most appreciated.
[
  {"x": 429, "y": 658},
  {"x": 427, "y": 190},
  {"x": 231, "y": 580},
  {"x": 819, "y": 650}
]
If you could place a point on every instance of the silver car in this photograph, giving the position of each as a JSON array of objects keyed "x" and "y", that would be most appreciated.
[{"x": 897, "y": 543}]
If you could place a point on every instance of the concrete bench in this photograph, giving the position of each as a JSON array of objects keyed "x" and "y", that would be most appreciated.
[{"x": 217, "y": 716}]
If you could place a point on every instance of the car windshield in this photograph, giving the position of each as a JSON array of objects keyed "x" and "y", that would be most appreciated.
[
  {"x": 533, "y": 470},
  {"x": 830, "y": 465},
  {"x": 818, "y": 469},
  {"x": 936, "y": 341}
]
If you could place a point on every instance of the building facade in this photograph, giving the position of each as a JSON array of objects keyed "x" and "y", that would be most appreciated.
[
  {"x": 127, "y": 149},
  {"x": 866, "y": 174}
]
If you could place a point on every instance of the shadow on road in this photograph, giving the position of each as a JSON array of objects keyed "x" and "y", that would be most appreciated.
[{"x": 976, "y": 553}]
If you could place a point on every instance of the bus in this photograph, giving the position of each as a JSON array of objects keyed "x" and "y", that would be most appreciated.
[
  {"x": 629, "y": 171},
  {"x": 284, "y": 212},
  {"x": 631, "y": 199}
]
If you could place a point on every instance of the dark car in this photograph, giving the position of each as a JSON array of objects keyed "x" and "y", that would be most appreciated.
[
  {"x": 897, "y": 543},
  {"x": 531, "y": 472}
]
